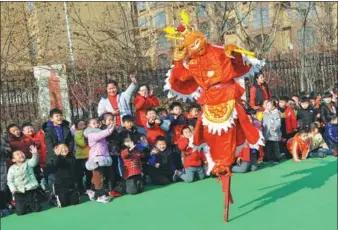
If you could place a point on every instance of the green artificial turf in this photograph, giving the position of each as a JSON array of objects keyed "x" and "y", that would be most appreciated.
[{"x": 289, "y": 196}]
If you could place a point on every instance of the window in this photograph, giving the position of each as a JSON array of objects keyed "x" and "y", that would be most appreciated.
[
  {"x": 303, "y": 7},
  {"x": 201, "y": 11},
  {"x": 244, "y": 18},
  {"x": 30, "y": 6},
  {"x": 140, "y": 6},
  {"x": 261, "y": 17},
  {"x": 162, "y": 42},
  {"x": 309, "y": 37},
  {"x": 160, "y": 20},
  {"x": 163, "y": 61},
  {"x": 205, "y": 29},
  {"x": 142, "y": 22}
]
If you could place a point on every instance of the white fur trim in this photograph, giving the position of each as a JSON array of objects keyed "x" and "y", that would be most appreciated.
[
  {"x": 256, "y": 66},
  {"x": 259, "y": 142},
  {"x": 218, "y": 127},
  {"x": 174, "y": 94}
]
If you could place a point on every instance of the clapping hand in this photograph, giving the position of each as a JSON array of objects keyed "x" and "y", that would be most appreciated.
[{"x": 133, "y": 78}]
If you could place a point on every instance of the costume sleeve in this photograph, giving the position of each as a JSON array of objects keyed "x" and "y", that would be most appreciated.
[
  {"x": 181, "y": 84},
  {"x": 10, "y": 180},
  {"x": 33, "y": 161},
  {"x": 245, "y": 66}
]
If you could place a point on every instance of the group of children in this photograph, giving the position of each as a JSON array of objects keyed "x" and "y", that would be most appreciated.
[{"x": 118, "y": 159}]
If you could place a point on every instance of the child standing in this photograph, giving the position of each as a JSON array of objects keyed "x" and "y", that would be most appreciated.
[
  {"x": 192, "y": 159},
  {"x": 65, "y": 178},
  {"x": 177, "y": 120},
  {"x": 112, "y": 173},
  {"x": 161, "y": 164},
  {"x": 132, "y": 167},
  {"x": 306, "y": 114},
  {"x": 272, "y": 132},
  {"x": 327, "y": 110},
  {"x": 22, "y": 182},
  {"x": 81, "y": 156},
  {"x": 98, "y": 158},
  {"x": 332, "y": 134}
]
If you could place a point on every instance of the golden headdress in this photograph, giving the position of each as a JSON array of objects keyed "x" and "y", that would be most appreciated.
[{"x": 182, "y": 30}]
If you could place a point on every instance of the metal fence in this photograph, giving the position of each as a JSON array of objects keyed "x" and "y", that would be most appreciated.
[{"x": 19, "y": 94}]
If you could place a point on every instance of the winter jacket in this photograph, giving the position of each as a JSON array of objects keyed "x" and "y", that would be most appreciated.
[
  {"x": 52, "y": 139},
  {"x": 298, "y": 148},
  {"x": 317, "y": 141},
  {"x": 141, "y": 105},
  {"x": 177, "y": 125},
  {"x": 272, "y": 125},
  {"x": 5, "y": 152},
  {"x": 258, "y": 94},
  {"x": 288, "y": 117},
  {"x": 165, "y": 159},
  {"x": 82, "y": 148},
  {"x": 21, "y": 178},
  {"x": 131, "y": 163},
  {"x": 123, "y": 101},
  {"x": 98, "y": 154},
  {"x": 306, "y": 117},
  {"x": 326, "y": 114},
  {"x": 21, "y": 143},
  {"x": 154, "y": 130},
  {"x": 65, "y": 176},
  {"x": 332, "y": 135},
  {"x": 39, "y": 140},
  {"x": 191, "y": 157}
]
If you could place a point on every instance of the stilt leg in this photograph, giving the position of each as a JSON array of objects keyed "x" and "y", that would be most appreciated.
[{"x": 226, "y": 180}]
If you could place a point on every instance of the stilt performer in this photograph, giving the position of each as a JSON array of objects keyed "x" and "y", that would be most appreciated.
[{"x": 208, "y": 74}]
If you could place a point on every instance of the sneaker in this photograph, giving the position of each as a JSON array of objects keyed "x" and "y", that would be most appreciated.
[
  {"x": 103, "y": 199},
  {"x": 114, "y": 194},
  {"x": 5, "y": 212},
  {"x": 176, "y": 175},
  {"x": 91, "y": 194}
]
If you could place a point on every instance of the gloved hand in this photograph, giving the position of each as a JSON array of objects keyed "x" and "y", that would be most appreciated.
[
  {"x": 180, "y": 52},
  {"x": 229, "y": 49}
]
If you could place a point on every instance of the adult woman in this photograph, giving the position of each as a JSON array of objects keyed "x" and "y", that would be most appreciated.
[
  {"x": 259, "y": 92},
  {"x": 144, "y": 100},
  {"x": 115, "y": 102}
]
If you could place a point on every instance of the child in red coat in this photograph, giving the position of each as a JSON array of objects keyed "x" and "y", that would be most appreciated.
[
  {"x": 132, "y": 167},
  {"x": 155, "y": 126},
  {"x": 192, "y": 159}
]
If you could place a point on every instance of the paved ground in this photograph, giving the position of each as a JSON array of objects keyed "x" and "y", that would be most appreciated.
[{"x": 290, "y": 196}]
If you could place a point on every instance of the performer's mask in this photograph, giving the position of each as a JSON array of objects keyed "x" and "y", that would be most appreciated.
[{"x": 195, "y": 43}]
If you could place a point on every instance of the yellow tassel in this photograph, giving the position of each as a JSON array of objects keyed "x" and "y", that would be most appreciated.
[{"x": 185, "y": 17}]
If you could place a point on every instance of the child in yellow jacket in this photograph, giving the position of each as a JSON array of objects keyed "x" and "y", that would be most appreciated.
[{"x": 81, "y": 155}]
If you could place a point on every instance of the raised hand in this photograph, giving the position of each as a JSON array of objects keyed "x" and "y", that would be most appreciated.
[{"x": 133, "y": 78}]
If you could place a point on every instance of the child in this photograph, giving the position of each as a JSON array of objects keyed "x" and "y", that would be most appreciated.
[
  {"x": 112, "y": 173},
  {"x": 65, "y": 178},
  {"x": 192, "y": 159},
  {"x": 246, "y": 160},
  {"x": 22, "y": 182},
  {"x": 332, "y": 134},
  {"x": 81, "y": 156},
  {"x": 98, "y": 158},
  {"x": 155, "y": 126},
  {"x": 132, "y": 168},
  {"x": 272, "y": 132},
  {"x": 317, "y": 141},
  {"x": 5, "y": 152},
  {"x": 306, "y": 114},
  {"x": 129, "y": 129},
  {"x": 56, "y": 132},
  {"x": 17, "y": 142},
  {"x": 164, "y": 116},
  {"x": 327, "y": 111},
  {"x": 177, "y": 120},
  {"x": 299, "y": 146},
  {"x": 288, "y": 123},
  {"x": 193, "y": 113},
  {"x": 161, "y": 165}
]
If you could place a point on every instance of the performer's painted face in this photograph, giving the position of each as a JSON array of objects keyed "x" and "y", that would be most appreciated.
[{"x": 195, "y": 43}]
